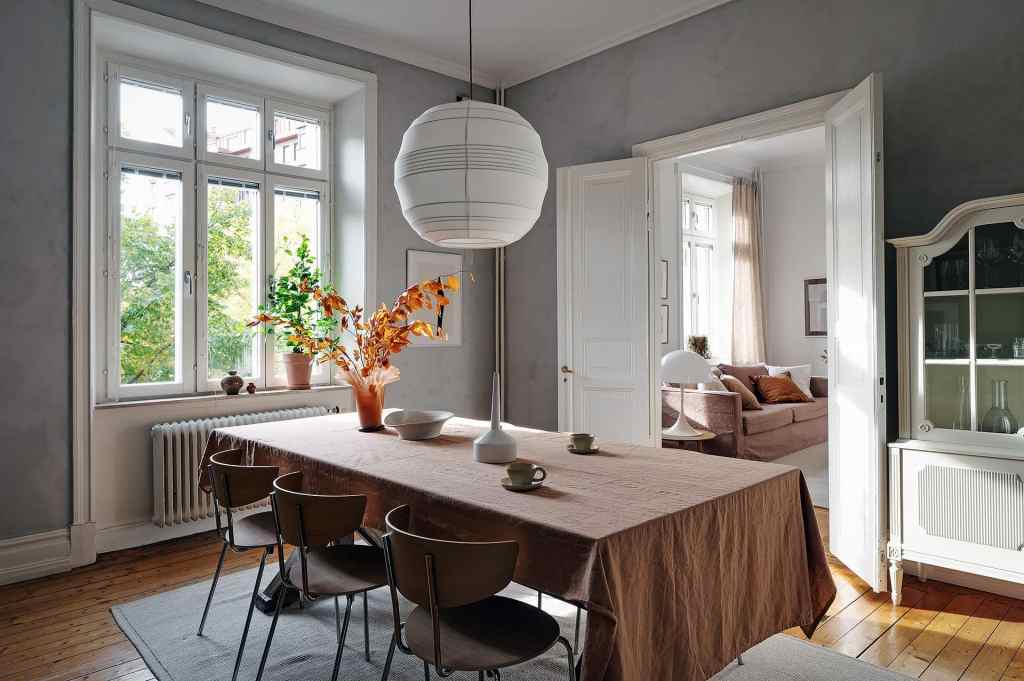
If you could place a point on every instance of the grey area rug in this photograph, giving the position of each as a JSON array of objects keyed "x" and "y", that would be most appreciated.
[{"x": 163, "y": 628}]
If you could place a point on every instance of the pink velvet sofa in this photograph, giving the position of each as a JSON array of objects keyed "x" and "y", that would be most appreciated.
[{"x": 763, "y": 435}]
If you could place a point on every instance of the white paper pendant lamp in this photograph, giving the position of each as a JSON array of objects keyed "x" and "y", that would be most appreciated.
[{"x": 471, "y": 175}]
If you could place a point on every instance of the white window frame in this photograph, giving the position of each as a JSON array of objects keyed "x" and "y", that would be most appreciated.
[
  {"x": 688, "y": 241},
  {"x": 263, "y": 233},
  {"x": 196, "y": 166},
  {"x": 321, "y": 373},
  {"x": 321, "y": 116},
  {"x": 184, "y": 333},
  {"x": 207, "y": 91},
  {"x": 118, "y": 71}
]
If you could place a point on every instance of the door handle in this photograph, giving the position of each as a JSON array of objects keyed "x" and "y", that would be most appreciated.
[{"x": 566, "y": 370}]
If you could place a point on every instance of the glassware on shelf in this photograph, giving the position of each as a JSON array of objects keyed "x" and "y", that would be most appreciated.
[
  {"x": 999, "y": 256},
  {"x": 993, "y": 349},
  {"x": 949, "y": 271},
  {"x": 1018, "y": 347},
  {"x": 999, "y": 418},
  {"x": 963, "y": 419}
]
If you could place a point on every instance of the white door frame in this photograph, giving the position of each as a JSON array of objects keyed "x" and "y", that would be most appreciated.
[{"x": 803, "y": 115}]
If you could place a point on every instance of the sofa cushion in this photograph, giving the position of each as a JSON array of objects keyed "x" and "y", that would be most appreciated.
[
  {"x": 747, "y": 398},
  {"x": 800, "y": 374},
  {"x": 770, "y": 417},
  {"x": 810, "y": 410},
  {"x": 779, "y": 390},
  {"x": 745, "y": 373}
]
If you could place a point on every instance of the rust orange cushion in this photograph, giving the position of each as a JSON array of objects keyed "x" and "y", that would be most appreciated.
[{"x": 779, "y": 390}]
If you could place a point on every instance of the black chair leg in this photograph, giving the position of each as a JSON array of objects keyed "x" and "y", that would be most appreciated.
[
  {"x": 213, "y": 586},
  {"x": 576, "y": 636},
  {"x": 571, "y": 658},
  {"x": 480, "y": 675},
  {"x": 426, "y": 671},
  {"x": 739, "y": 660},
  {"x": 270, "y": 634},
  {"x": 341, "y": 641},
  {"x": 337, "y": 621},
  {"x": 387, "y": 663},
  {"x": 366, "y": 628},
  {"x": 248, "y": 617}
]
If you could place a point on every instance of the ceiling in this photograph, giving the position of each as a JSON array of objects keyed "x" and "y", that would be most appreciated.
[
  {"x": 743, "y": 157},
  {"x": 513, "y": 40},
  {"x": 704, "y": 186}
]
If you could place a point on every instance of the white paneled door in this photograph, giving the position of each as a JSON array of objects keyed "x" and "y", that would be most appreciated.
[
  {"x": 603, "y": 269},
  {"x": 856, "y": 428}
]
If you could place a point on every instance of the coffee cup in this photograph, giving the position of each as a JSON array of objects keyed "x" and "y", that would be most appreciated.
[
  {"x": 582, "y": 442},
  {"x": 521, "y": 473}
]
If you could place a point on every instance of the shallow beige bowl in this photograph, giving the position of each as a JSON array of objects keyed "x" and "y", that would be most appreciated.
[{"x": 417, "y": 425}]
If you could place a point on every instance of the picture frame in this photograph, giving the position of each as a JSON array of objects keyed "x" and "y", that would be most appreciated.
[
  {"x": 663, "y": 279},
  {"x": 663, "y": 324},
  {"x": 815, "y": 307},
  {"x": 421, "y": 265}
]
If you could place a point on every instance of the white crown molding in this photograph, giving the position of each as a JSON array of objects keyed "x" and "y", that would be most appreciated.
[
  {"x": 690, "y": 9},
  {"x": 34, "y": 556},
  {"x": 954, "y": 220},
  {"x": 332, "y": 28}
]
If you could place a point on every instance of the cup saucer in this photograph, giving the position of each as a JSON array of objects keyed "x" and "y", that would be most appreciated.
[
  {"x": 593, "y": 450},
  {"x": 516, "y": 487}
]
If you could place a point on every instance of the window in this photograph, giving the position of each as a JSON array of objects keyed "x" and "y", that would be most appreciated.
[
  {"x": 198, "y": 222},
  {"x": 300, "y": 146},
  {"x": 697, "y": 243}
]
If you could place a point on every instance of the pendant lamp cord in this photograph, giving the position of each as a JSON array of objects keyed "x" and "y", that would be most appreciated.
[{"x": 470, "y": 2}]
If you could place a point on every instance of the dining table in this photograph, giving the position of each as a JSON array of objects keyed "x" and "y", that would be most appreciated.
[{"x": 682, "y": 560}]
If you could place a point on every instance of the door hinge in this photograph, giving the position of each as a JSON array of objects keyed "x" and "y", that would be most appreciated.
[
  {"x": 106, "y": 77},
  {"x": 878, "y": 157}
]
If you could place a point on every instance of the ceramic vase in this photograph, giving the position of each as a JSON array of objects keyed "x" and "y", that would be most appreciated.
[
  {"x": 495, "y": 446},
  {"x": 232, "y": 383},
  {"x": 298, "y": 368},
  {"x": 368, "y": 394}
]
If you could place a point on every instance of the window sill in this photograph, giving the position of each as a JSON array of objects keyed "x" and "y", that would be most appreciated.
[{"x": 214, "y": 397}]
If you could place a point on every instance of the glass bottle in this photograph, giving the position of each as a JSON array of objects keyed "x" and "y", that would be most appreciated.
[{"x": 999, "y": 418}]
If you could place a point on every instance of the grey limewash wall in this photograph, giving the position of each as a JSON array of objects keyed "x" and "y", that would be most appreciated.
[
  {"x": 954, "y": 122},
  {"x": 35, "y": 224}
]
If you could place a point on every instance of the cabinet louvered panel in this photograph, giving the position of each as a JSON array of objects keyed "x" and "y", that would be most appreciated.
[{"x": 972, "y": 505}]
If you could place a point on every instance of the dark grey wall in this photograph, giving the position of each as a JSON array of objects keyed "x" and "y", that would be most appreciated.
[
  {"x": 35, "y": 189},
  {"x": 954, "y": 121},
  {"x": 35, "y": 230}
]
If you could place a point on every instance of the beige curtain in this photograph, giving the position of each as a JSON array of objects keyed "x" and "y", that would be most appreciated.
[{"x": 748, "y": 322}]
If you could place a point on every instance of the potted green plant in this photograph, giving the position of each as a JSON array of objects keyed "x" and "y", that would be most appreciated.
[{"x": 293, "y": 312}]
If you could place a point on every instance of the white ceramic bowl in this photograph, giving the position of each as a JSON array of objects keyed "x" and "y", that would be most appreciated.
[{"x": 417, "y": 425}]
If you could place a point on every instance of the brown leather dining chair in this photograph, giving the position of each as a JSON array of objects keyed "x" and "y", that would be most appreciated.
[
  {"x": 459, "y": 623},
  {"x": 321, "y": 566},
  {"x": 234, "y": 485}
]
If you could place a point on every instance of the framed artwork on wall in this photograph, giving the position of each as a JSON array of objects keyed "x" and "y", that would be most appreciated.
[
  {"x": 663, "y": 279},
  {"x": 815, "y": 307},
  {"x": 422, "y": 265},
  {"x": 663, "y": 324}
]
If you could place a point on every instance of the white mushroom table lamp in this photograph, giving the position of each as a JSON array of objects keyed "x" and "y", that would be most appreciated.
[{"x": 683, "y": 367}]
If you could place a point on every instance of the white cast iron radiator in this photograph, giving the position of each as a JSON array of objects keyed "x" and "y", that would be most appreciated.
[{"x": 177, "y": 450}]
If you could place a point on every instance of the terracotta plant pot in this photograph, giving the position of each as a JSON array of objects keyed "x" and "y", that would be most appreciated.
[{"x": 299, "y": 367}]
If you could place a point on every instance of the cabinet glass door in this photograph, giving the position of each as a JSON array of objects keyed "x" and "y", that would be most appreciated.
[{"x": 973, "y": 332}]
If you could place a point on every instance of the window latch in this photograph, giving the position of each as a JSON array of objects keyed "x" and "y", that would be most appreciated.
[
  {"x": 188, "y": 124},
  {"x": 188, "y": 282}
]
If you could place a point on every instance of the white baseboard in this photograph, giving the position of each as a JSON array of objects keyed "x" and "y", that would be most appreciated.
[
  {"x": 83, "y": 544},
  {"x": 144, "y": 532},
  {"x": 34, "y": 555},
  {"x": 971, "y": 581}
]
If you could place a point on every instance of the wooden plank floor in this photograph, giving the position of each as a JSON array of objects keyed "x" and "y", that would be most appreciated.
[{"x": 59, "y": 628}]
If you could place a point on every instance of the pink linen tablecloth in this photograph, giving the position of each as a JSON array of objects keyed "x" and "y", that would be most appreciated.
[{"x": 682, "y": 560}]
